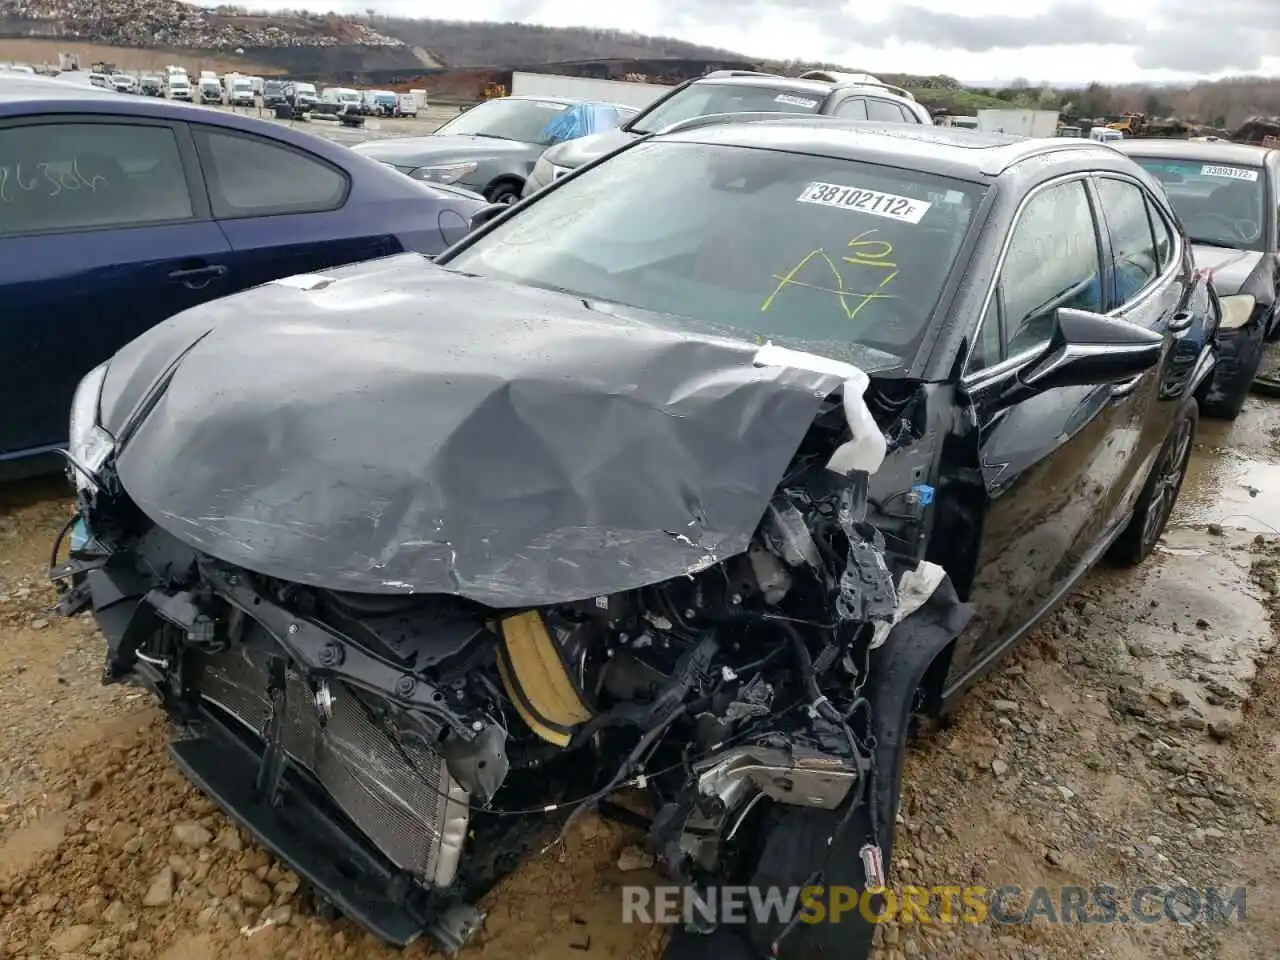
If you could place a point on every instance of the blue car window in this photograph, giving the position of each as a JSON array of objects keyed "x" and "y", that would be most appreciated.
[{"x": 79, "y": 176}]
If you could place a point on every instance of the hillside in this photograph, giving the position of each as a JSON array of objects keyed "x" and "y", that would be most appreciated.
[{"x": 458, "y": 43}]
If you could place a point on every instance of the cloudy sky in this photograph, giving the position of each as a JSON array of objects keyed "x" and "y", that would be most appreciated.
[{"x": 1067, "y": 40}]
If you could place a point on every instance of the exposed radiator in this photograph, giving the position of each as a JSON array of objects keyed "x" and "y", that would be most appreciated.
[{"x": 415, "y": 813}]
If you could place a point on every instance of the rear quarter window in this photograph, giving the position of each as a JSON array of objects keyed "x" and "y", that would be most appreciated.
[{"x": 250, "y": 176}]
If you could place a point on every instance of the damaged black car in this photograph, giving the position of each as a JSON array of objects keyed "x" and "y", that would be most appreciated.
[
  {"x": 1226, "y": 195},
  {"x": 703, "y": 473}
]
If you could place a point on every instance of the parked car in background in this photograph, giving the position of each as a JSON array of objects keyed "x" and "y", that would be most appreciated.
[
  {"x": 273, "y": 93},
  {"x": 241, "y": 92},
  {"x": 210, "y": 90},
  {"x": 123, "y": 83},
  {"x": 119, "y": 212},
  {"x": 1227, "y": 196},
  {"x": 305, "y": 95},
  {"x": 795, "y": 429},
  {"x": 492, "y": 147},
  {"x": 378, "y": 103},
  {"x": 344, "y": 97},
  {"x": 854, "y": 96},
  {"x": 179, "y": 87},
  {"x": 150, "y": 86},
  {"x": 406, "y": 105}
]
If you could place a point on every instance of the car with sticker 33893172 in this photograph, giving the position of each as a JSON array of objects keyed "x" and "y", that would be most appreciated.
[
  {"x": 793, "y": 432},
  {"x": 818, "y": 92},
  {"x": 1227, "y": 195},
  {"x": 118, "y": 212}
]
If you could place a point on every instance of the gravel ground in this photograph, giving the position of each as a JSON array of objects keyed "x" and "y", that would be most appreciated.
[{"x": 1133, "y": 739}]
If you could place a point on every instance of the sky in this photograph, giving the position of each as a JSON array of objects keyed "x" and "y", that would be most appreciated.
[{"x": 1074, "y": 41}]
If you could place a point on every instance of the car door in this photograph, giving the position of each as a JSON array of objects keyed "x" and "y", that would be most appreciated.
[
  {"x": 104, "y": 232},
  {"x": 1152, "y": 283},
  {"x": 285, "y": 211},
  {"x": 1042, "y": 460}
]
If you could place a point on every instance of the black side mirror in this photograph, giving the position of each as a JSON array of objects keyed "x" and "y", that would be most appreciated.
[
  {"x": 1087, "y": 349},
  {"x": 488, "y": 212}
]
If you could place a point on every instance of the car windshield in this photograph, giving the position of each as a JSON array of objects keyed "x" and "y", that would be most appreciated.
[
  {"x": 523, "y": 120},
  {"x": 1219, "y": 204},
  {"x": 836, "y": 257},
  {"x": 704, "y": 98},
  {"x": 541, "y": 122}
]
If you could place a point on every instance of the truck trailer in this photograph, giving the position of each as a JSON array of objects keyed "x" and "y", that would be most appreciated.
[
  {"x": 626, "y": 92},
  {"x": 1022, "y": 123}
]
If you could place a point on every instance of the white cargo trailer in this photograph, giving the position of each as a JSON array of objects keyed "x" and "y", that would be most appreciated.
[
  {"x": 638, "y": 95},
  {"x": 1023, "y": 123}
]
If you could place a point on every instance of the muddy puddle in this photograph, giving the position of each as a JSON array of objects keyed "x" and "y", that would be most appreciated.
[{"x": 1234, "y": 478}]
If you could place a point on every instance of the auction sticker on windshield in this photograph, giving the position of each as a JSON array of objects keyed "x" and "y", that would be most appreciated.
[
  {"x": 791, "y": 101},
  {"x": 1231, "y": 173},
  {"x": 906, "y": 209}
]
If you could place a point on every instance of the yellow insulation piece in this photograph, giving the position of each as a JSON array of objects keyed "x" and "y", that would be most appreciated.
[{"x": 534, "y": 676}]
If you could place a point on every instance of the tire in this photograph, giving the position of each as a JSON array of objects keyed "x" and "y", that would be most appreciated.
[
  {"x": 1225, "y": 396},
  {"x": 505, "y": 192},
  {"x": 1155, "y": 503}
]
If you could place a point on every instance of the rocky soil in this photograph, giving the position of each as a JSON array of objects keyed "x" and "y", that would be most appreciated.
[{"x": 1133, "y": 739}]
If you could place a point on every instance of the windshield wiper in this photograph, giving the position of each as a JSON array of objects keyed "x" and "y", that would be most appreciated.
[
  {"x": 491, "y": 136},
  {"x": 1206, "y": 242}
]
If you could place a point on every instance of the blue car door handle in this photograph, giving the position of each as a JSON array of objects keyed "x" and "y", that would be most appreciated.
[{"x": 205, "y": 273}]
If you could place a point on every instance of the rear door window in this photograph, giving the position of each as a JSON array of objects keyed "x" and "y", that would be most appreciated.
[
  {"x": 250, "y": 176},
  {"x": 1134, "y": 260},
  {"x": 84, "y": 176},
  {"x": 884, "y": 111},
  {"x": 1163, "y": 235},
  {"x": 855, "y": 109}
]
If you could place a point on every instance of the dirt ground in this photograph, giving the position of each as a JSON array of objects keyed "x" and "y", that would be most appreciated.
[
  {"x": 1134, "y": 739},
  {"x": 36, "y": 52}
]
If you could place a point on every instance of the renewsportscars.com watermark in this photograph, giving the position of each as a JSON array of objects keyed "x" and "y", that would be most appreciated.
[{"x": 1010, "y": 904}]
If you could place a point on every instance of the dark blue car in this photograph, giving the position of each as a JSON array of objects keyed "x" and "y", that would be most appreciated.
[{"x": 118, "y": 212}]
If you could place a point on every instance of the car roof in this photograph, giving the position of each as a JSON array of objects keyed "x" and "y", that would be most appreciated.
[
  {"x": 1221, "y": 151},
  {"x": 818, "y": 87},
  {"x": 568, "y": 101},
  {"x": 947, "y": 151}
]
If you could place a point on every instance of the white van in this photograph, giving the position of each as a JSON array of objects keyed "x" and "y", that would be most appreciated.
[
  {"x": 343, "y": 96},
  {"x": 242, "y": 92},
  {"x": 1105, "y": 134},
  {"x": 407, "y": 105}
]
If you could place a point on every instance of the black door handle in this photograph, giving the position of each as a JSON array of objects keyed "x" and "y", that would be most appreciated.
[
  {"x": 199, "y": 273},
  {"x": 1181, "y": 320}
]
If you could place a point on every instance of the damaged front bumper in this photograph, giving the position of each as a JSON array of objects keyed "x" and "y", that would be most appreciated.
[{"x": 301, "y": 763}]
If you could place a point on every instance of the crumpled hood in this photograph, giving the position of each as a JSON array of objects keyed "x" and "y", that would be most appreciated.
[
  {"x": 400, "y": 428},
  {"x": 576, "y": 153},
  {"x": 444, "y": 148},
  {"x": 1230, "y": 268}
]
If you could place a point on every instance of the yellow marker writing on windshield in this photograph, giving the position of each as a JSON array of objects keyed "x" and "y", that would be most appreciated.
[{"x": 866, "y": 252}]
